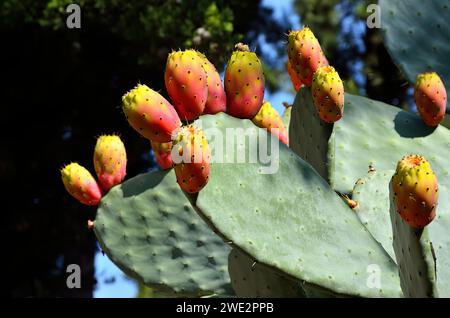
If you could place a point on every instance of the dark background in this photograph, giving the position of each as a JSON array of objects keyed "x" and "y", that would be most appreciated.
[{"x": 62, "y": 87}]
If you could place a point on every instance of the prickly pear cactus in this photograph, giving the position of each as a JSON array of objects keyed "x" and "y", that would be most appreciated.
[
  {"x": 370, "y": 133},
  {"x": 372, "y": 195},
  {"x": 296, "y": 220},
  {"x": 415, "y": 255},
  {"x": 416, "y": 35},
  {"x": 148, "y": 228}
]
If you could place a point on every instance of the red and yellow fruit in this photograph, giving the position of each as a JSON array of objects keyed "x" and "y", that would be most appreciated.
[
  {"x": 244, "y": 83},
  {"x": 217, "y": 100},
  {"x": 328, "y": 94},
  {"x": 415, "y": 188},
  {"x": 162, "y": 152},
  {"x": 110, "y": 161},
  {"x": 191, "y": 156},
  {"x": 150, "y": 114},
  {"x": 431, "y": 98},
  {"x": 296, "y": 82},
  {"x": 80, "y": 184},
  {"x": 269, "y": 119},
  {"x": 305, "y": 54},
  {"x": 186, "y": 83}
]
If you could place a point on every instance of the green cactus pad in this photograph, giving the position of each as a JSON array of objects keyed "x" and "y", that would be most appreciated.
[
  {"x": 309, "y": 137},
  {"x": 148, "y": 228},
  {"x": 252, "y": 279},
  {"x": 415, "y": 256},
  {"x": 370, "y": 133},
  {"x": 372, "y": 195},
  {"x": 377, "y": 134},
  {"x": 292, "y": 220},
  {"x": 416, "y": 35},
  {"x": 373, "y": 207}
]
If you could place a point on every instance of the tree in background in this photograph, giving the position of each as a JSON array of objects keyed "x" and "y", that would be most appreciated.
[{"x": 64, "y": 87}]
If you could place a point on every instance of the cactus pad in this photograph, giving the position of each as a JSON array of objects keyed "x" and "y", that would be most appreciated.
[
  {"x": 415, "y": 255},
  {"x": 293, "y": 221},
  {"x": 373, "y": 206},
  {"x": 253, "y": 279},
  {"x": 372, "y": 195},
  {"x": 309, "y": 137},
  {"x": 148, "y": 228}
]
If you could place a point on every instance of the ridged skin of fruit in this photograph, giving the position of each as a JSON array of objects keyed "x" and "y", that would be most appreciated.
[
  {"x": 328, "y": 94},
  {"x": 186, "y": 83},
  {"x": 244, "y": 83},
  {"x": 296, "y": 82},
  {"x": 192, "y": 147},
  {"x": 162, "y": 152},
  {"x": 110, "y": 161},
  {"x": 269, "y": 119},
  {"x": 217, "y": 100},
  {"x": 305, "y": 54},
  {"x": 80, "y": 184},
  {"x": 415, "y": 191},
  {"x": 150, "y": 114},
  {"x": 431, "y": 98}
]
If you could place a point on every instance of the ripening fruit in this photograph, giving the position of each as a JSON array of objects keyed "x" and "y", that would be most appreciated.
[
  {"x": 415, "y": 188},
  {"x": 191, "y": 157},
  {"x": 431, "y": 98},
  {"x": 110, "y": 161},
  {"x": 217, "y": 100},
  {"x": 80, "y": 184},
  {"x": 296, "y": 82},
  {"x": 269, "y": 119},
  {"x": 328, "y": 94},
  {"x": 305, "y": 54},
  {"x": 186, "y": 83},
  {"x": 150, "y": 114},
  {"x": 244, "y": 83},
  {"x": 162, "y": 152}
]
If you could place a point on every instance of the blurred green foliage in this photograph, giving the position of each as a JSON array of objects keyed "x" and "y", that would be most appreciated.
[{"x": 154, "y": 26}]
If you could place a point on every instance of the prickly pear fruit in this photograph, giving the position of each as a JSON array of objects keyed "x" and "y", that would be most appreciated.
[
  {"x": 162, "y": 152},
  {"x": 296, "y": 82},
  {"x": 305, "y": 54},
  {"x": 415, "y": 188},
  {"x": 217, "y": 100},
  {"x": 79, "y": 182},
  {"x": 328, "y": 94},
  {"x": 110, "y": 161},
  {"x": 150, "y": 114},
  {"x": 244, "y": 83},
  {"x": 191, "y": 157},
  {"x": 186, "y": 83},
  {"x": 269, "y": 119},
  {"x": 431, "y": 98}
]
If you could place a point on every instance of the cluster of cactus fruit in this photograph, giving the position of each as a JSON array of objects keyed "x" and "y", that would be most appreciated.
[{"x": 291, "y": 233}]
